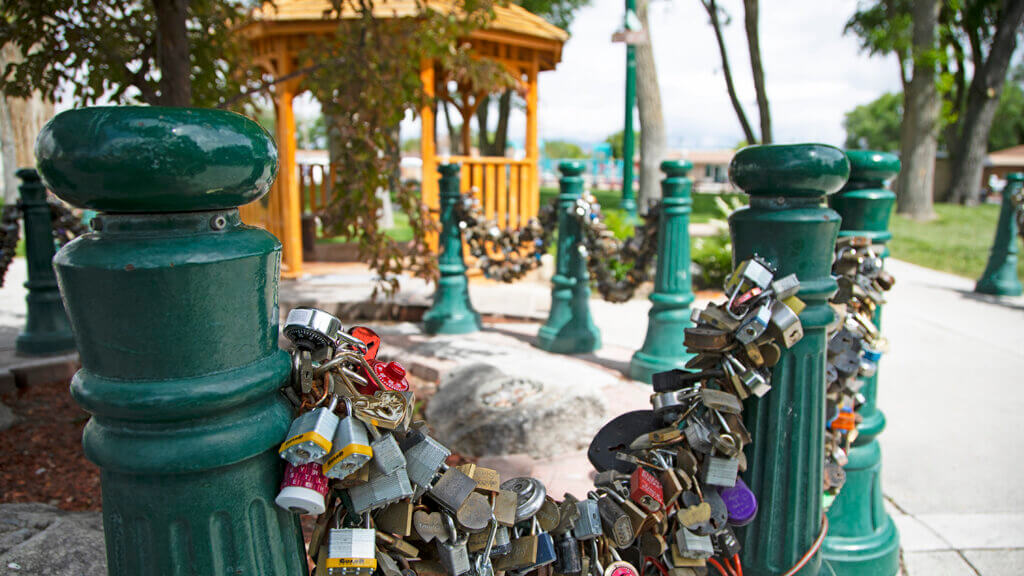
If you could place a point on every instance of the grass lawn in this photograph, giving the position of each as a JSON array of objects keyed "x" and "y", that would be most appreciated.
[{"x": 958, "y": 241}]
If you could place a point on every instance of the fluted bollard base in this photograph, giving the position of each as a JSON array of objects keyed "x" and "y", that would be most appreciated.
[
  {"x": 862, "y": 538},
  {"x": 47, "y": 330},
  {"x": 452, "y": 312},
  {"x": 1000, "y": 276}
]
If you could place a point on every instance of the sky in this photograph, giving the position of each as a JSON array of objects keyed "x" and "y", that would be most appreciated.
[{"x": 814, "y": 74}]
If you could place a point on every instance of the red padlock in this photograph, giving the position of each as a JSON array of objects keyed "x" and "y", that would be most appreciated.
[
  {"x": 645, "y": 489},
  {"x": 303, "y": 489},
  {"x": 390, "y": 374}
]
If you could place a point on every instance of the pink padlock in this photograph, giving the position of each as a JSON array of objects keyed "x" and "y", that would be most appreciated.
[{"x": 303, "y": 489}]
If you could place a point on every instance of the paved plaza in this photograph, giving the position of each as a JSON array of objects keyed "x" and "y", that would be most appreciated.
[{"x": 950, "y": 389}]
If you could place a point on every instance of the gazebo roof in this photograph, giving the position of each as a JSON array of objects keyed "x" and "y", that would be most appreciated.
[{"x": 512, "y": 25}]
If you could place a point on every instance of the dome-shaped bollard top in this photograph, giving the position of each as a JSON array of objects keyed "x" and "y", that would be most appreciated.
[
  {"x": 174, "y": 304},
  {"x": 569, "y": 328},
  {"x": 788, "y": 225},
  {"x": 451, "y": 312},
  {"x": 673, "y": 287},
  {"x": 1000, "y": 275},
  {"x": 862, "y": 538}
]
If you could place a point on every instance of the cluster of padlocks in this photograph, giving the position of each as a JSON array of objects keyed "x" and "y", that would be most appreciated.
[
  {"x": 667, "y": 491},
  {"x": 507, "y": 254},
  {"x": 1017, "y": 199},
  {"x": 854, "y": 348},
  {"x": 607, "y": 256}
]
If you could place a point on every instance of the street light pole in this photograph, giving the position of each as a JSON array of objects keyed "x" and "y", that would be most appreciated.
[{"x": 628, "y": 202}]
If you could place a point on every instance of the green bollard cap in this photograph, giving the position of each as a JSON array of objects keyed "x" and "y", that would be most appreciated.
[
  {"x": 155, "y": 159},
  {"x": 571, "y": 168},
  {"x": 676, "y": 168},
  {"x": 872, "y": 167},
  {"x": 791, "y": 170},
  {"x": 449, "y": 169},
  {"x": 1015, "y": 177}
]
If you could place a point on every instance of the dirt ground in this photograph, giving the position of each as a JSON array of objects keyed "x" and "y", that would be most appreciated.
[{"x": 41, "y": 457}]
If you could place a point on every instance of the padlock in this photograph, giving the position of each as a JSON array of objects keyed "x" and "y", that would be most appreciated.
[
  {"x": 423, "y": 461},
  {"x": 748, "y": 274},
  {"x": 451, "y": 489},
  {"x": 396, "y": 518},
  {"x": 617, "y": 524},
  {"x": 619, "y": 567},
  {"x": 314, "y": 330},
  {"x": 719, "y": 512},
  {"x": 391, "y": 375},
  {"x": 691, "y": 545},
  {"x": 725, "y": 543},
  {"x": 785, "y": 287},
  {"x": 488, "y": 481},
  {"x": 720, "y": 401},
  {"x": 646, "y": 490},
  {"x": 698, "y": 435},
  {"x": 351, "y": 551},
  {"x": 350, "y": 448},
  {"x": 694, "y": 513},
  {"x": 309, "y": 436},
  {"x": 474, "y": 514},
  {"x": 755, "y": 325},
  {"x": 588, "y": 524},
  {"x": 569, "y": 561},
  {"x": 453, "y": 554},
  {"x": 522, "y": 553},
  {"x": 397, "y": 545},
  {"x": 387, "y": 456},
  {"x": 303, "y": 489},
  {"x": 380, "y": 491},
  {"x": 705, "y": 339},
  {"x": 750, "y": 378},
  {"x": 387, "y": 565},
  {"x": 530, "y": 494},
  {"x": 638, "y": 517},
  {"x": 719, "y": 471},
  {"x": 785, "y": 324},
  {"x": 740, "y": 502}
]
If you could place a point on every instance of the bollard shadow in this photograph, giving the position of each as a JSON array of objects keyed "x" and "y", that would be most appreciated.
[
  {"x": 1009, "y": 302},
  {"x": 531, "y": 339}
]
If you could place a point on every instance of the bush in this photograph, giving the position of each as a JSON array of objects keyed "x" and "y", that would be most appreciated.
[{"x": 712, "y": 258}]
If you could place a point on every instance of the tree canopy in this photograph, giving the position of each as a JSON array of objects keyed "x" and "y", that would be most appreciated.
[
  {"x": 563, "y": 149},
  {"x": 875, "y": 125},
  {"x": 161, "y": 52}
]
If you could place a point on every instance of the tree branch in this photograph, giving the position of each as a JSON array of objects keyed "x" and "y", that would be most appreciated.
[{"x": 712, "y": 10}]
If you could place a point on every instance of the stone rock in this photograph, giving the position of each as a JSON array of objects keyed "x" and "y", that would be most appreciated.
[
  {"x": 490, "y": 409},
  {"x": 41, "y": 539},
  {"x": 7, "y": 417}
]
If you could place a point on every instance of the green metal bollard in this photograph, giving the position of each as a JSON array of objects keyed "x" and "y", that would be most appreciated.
[
  {"x": 673, "y": 291},
  {"x": 451, "y": 312},
  {"x": 570, "y": 328},
  {"x": 1000, "y": 276},
  {"x": 862, "y": 538},
  {"x": 173, "y": 301},
  {"x": 46, "y": 324},
  {"x": 788, "y": 225}
]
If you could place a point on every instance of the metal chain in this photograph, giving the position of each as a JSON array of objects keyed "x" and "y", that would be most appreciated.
[
  {"x": 504, "y": 255},
  {"x": 618, "y": 266}
]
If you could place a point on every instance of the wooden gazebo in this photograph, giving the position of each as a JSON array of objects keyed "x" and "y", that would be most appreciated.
[{"x": 509, "y": 189}]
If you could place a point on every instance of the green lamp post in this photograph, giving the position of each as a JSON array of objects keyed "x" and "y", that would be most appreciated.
[
  {"x": 46, "y": 324},
  {"x": 174, "y": 304},
  {"x": 628, "y": 201},
  {"x": 451, "y": 312},
  {"x": 788, "y": 225},
  {"x": 569, "y": 328},
  {"x": 1000, "y": 276},
  {"x": 862, "y": 538},
  {"x": 673, "y": 293}
]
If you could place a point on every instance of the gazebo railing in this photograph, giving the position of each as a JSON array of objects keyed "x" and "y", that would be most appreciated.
[{"x": 504, "y": 186}]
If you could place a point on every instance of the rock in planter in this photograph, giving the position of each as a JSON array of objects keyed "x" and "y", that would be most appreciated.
[
  {"x": 40, "y": 539},
  {"x": 481, "y": 410}
]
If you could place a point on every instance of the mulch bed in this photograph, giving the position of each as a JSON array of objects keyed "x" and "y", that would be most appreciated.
[{"x": 41, "y": 457}]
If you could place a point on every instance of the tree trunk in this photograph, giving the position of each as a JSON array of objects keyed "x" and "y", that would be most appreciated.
[
  {"x": 482, "y": 112},
  {"x": 652, "y": 123},
  {"x": 754, "y": 45},
  {"x": 501, "y": 131},
  {"x": 173, "y": 52},
  {"x": 919, "y": 132},
  {"x": 968, "y": 157},
  {"x": 454, "y": 138},
  {"x": 716, "y": 25},
  {"x": 21, "y": 119}
]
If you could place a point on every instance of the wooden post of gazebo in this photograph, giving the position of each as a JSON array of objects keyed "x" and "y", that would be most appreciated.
[{"x": 508, "y": 188}]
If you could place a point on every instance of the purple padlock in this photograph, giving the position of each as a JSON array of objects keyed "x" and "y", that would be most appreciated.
[{"x": 741, "y": 503}]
